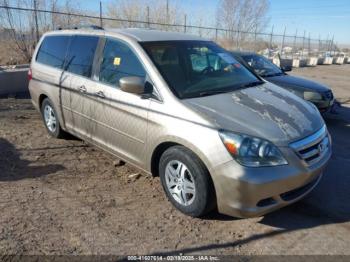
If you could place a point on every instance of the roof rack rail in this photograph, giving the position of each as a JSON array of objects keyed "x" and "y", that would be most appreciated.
[{"x": 93, "y": 27}]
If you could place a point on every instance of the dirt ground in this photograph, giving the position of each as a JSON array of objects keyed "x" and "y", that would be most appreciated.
[{"x": 66, "y": 197}]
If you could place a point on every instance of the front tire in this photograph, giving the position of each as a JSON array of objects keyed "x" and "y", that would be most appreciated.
[
  {"x": 186, "y": 181},
  {"x": 50, "y": 119}
]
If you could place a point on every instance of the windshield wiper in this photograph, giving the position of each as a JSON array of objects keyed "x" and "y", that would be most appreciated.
[
  {"x": 215, "y": 92},
  {"x": 256, "y": 83},
  {"x": 275, "y": 74},
  {"x": 212, "y": 92}
]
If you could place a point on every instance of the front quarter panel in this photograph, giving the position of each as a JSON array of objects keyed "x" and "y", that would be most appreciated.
[{"x": 174, "y": 122}]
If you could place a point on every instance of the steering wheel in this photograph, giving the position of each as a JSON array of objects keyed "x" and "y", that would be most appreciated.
[{"x": 208, "y": 69}]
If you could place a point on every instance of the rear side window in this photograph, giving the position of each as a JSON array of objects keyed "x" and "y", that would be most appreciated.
[
  {"x": 119, "y": 61},
  {"x": 81, "y": 55},
  {"x": 53, "y": 50}
]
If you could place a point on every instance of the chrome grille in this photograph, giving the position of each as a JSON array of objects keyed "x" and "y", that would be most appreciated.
[{"x": 312, "y": 148}]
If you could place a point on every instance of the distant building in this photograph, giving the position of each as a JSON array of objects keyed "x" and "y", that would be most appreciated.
[{"x": 287, "y": 49}]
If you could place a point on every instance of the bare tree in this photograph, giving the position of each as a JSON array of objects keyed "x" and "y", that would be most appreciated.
[
  {"x": 65, "y": 21},
  {"x": 199, "y": 18},
  {"x": 167, "y": 12},
  {"x": 240, "y": 16},
  {"x": 125, "y": 10},
  {"x": 135, "y": 13},
  {"x": 20, "y": 28},
  {"x": 25, "y": 27}
]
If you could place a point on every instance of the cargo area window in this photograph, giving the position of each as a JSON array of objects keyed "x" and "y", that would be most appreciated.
[{"x": 53, "y": 50}]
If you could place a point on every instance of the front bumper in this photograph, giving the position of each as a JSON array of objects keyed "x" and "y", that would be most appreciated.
[{"x": 249, "y": 192}]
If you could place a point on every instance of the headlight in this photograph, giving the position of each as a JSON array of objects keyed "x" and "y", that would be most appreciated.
[
  {"x": 252, "y": 151},
  {"x": 312, "y": 96}
]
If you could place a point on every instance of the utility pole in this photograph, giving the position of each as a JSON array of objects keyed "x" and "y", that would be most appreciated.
[
  {"x": 309, "y": 44},
  {"x": 294, "y": 44},
  {"x": 328, "y": 42},
  {"x": 271, "y": 38},
  {"x": 36, "y": 20},
  {"x": 101, "y": 21},
  {"x": 302, "y": 50},
  {"x": 167, "y": 11},
  {"x": 319, "y": 45},
  {"x": 255, "y": 32},
  {"x": 332, "y": 45},
  {"x": 148, "y": 21},
  {"x": 185, "y": 24},
  {"x": 284, "y": 36}
]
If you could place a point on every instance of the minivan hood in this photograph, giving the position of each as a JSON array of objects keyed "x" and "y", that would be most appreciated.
[
  {"x": 265, "y": 111},
  {"x": 298, "y": 83}
]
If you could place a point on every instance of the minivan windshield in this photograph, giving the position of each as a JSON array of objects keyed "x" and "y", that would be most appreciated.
[
  {"x": 262, "y": 66},
  {"x": 198, "y": 68}
]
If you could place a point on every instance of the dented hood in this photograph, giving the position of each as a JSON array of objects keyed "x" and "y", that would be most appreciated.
[{"x": 265, "y": 111}]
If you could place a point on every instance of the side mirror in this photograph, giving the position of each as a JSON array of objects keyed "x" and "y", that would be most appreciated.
[
  {"x": 132, "y": 84},
  {"x": 286, "y": 68}
]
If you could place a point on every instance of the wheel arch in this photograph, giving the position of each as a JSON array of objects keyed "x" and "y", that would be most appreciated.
[
  {"x": 156, "y": 155},
  {"x": 41, "y": 99},
  {"x": 57, "y": 108},
  {"x": 166, "y": 144}
]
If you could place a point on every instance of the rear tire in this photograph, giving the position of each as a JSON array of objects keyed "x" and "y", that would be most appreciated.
[
  {"x": 50, "y": 119},
  {"x": 186, "y": 181}
]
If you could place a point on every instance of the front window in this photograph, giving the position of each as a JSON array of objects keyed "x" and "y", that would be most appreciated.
[
  {"x": 198, "y": 68},
  {"x": 262, "y": 66},
  {"x": 119, "y": 61}
]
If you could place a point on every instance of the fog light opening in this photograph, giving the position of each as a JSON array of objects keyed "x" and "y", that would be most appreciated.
[{"x": 266, "y": 202}]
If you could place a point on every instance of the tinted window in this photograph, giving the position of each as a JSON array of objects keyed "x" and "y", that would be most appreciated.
[
  {"x": 262, "y": 65},
  {"x": 119, "y": 61},
  {"x": 53, "y": 51},
  {"x": 198, "y": 68},
  {"x": 81, "y": 55}
]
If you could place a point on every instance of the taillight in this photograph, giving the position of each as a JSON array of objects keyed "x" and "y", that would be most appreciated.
[{"x": 30, "y": 76}]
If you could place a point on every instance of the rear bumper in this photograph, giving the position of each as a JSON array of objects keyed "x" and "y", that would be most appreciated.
[
  {"x": 249, "y": 192},
  {"x": 33, "y": 95}
]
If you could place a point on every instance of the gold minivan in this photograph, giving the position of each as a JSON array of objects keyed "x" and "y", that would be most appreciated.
[{"x": 182, "y": 108}]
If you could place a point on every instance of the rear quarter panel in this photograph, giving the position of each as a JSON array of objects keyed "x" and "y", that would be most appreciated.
[{"x": 45, "y": 82}]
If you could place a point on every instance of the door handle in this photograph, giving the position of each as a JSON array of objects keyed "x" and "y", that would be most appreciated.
[
  {"x": 82, "y": 89},
  {"x": 100, "y": 94}
]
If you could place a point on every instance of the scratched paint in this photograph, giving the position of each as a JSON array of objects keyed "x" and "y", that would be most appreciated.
[{"x": 265, "y": 111}]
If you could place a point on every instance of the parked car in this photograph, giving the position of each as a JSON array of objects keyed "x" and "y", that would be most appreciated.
[
  {"x": 314, "y": 92},
  {"x": 183, "y": 108}
]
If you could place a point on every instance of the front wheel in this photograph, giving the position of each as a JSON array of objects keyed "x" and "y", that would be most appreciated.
[{"x": 186, "y": 181}]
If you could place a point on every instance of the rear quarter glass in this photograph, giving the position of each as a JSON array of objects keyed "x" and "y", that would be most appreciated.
[{"x": 52, "y": 51}]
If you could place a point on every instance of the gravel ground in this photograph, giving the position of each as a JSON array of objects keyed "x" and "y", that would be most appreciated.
[{"x": 66, "y": 197}]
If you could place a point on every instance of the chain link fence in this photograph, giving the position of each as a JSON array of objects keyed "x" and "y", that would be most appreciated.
[{"x": 25, "y": 26}]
